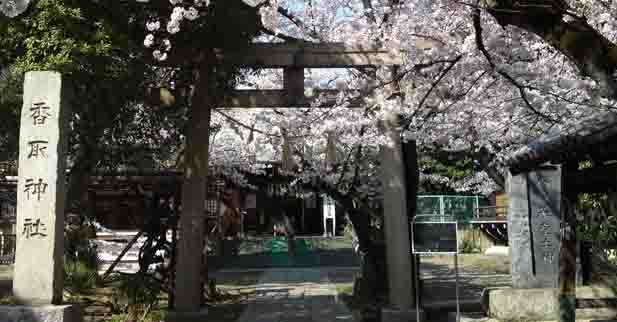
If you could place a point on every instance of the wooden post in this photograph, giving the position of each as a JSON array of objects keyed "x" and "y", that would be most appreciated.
[
  {"x": 331, "y": 152},
  {"x": 567, "y": 255},
  {"x": 293, "y": 81},
  {"x": 287, "y": 163},
  {"x": 396, "y": 222},
  {"x": 412, "y": 180},
  {"x": 174, "y": 241},
  {"x": 188, "y": 287},
  {"x": 396, "y": 209}
]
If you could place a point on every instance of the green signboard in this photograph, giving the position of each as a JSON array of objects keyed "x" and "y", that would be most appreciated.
[{"x": 433, "y": 235}]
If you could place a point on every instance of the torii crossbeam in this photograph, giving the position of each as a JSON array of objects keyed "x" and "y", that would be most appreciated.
[{"x": 293, "y": 59}]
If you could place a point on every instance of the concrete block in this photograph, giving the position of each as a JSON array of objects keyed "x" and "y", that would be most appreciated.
[
  {"x": 177, "y": 316},
  {"x": 597, "y": 314},
  {"x": 523, "y": 304},
  {"x": 593, "y": 292},
  {"x": 498, "y": 251},
  {"x": 541, "y": 304},
  {"x": 389, "y": 314},
  {"x": 46, "y": 313}
]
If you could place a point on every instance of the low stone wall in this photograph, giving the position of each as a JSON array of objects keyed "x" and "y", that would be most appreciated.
[
  {"x": 510, "y": 304},
  {"x": 47, "y": 313}
]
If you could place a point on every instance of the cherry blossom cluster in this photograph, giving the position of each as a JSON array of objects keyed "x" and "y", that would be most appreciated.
[
  {"x": 181, "y": 11},
  {"x": 269, "y": 15}
]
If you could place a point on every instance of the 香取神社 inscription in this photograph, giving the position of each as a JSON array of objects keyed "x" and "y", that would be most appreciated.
[
  {"x": 38, "y": 273},
  {"x": 39, "y": 113},
  {"x": 34, "y": 228},
  {"x": 35, "y": 188},
  {"x": 37, "y": 148}
]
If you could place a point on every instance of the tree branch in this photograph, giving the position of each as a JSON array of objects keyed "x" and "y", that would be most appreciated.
[
  {"x": 251, "y": 128},
  {"x": 593, "y": 54},
  {"x": 285, "y": 37},
  {"x": 298, "y": 22},
  {"x": 521, "y": 88},
  {"x": 433, "y": 85}
]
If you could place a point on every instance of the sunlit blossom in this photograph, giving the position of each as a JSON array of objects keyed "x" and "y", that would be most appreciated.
[
  {"x": 149, "y": 40},
  {"x": 158, "y": 55},
  {"x": 153, "y": 25},
  {"x": 191, "y": 13}
]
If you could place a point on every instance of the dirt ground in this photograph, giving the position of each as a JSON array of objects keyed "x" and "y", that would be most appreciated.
[{"x": 239, "y": 288}]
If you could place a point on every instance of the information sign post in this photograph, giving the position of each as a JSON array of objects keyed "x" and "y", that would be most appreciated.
[{"x": 436, "y": 235}]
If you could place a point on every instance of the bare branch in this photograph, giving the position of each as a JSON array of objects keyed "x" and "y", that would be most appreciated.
[
  {"x": 285, "y": 37},
  {"x": 521, "y": 88},
  {"x": 433, "y": 85},
  {"x": 298, "y": 22},
  {"x": 241, "y": 124}
]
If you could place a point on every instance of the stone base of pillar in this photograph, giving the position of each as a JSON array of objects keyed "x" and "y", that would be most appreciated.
[
  {"x": 389, "y": 314},
  {"x": 47, "y": 313},
  {"x": 176, "y": 316},
  {"x": 468, "y": 317},
  {"x": 511, "y": 304}
]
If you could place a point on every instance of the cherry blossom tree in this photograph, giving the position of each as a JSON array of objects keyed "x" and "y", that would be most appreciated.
[
  {"x": 475, "y": 80},
  {"x": 480, "y": 79}
]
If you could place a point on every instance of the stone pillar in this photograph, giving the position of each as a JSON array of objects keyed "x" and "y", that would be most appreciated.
[
  {"x": 396, "y": 222},
  {"x": 188, "y": 286},
  {"x": 38, "y": 274},
  {"x": 566, "y": 292},
  {"x": 533, "y": 227}
]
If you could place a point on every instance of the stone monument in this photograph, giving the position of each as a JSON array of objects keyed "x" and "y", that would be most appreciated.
[
  {"x": 38, "y": 273},
  {"x": 534, "y": 228}
]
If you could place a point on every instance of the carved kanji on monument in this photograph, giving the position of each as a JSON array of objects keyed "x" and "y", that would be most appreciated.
[
  {"x": 533, "y": 227},
  {"x": 41, "y": 191}
]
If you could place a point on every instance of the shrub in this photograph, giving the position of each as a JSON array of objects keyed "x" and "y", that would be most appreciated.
[
  {"x": 468, "y": 246},
  {"x": 80, "y": 277}
]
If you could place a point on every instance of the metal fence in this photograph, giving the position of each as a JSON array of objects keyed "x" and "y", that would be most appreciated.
[
  {"x": 7, "y": 249},
  {"x": 8, "y": 205},
  {"x": 492, "y": 212},
  {"x": 459, "y": 206}
]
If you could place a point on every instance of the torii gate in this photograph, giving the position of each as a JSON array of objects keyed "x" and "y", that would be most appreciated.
[{"x": 293, "y": 59}]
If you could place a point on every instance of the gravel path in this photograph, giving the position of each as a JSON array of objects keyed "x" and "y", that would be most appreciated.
[{"x": 290, "y": 295}]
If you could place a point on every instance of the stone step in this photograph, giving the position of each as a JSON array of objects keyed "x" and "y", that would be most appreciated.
[{"x": 468, "y": 317}]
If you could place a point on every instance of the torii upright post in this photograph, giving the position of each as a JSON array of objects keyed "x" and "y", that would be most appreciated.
[
  {"x": 188, "y": 285},
  {"x": 397, "y": 221}
]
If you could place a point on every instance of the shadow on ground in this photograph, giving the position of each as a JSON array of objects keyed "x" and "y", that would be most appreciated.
[{"x": 319, "y": 258}]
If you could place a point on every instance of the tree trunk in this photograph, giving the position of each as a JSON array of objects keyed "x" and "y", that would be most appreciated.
[
  {"x": 484, "y": 157},
  {"x": 371, "y": 278},
  {"x": 79, "y": 178},
  {"x": 360, "y": 218}
]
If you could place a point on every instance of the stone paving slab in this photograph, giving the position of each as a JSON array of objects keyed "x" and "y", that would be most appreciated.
[{"x": 293, "y": 296}]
